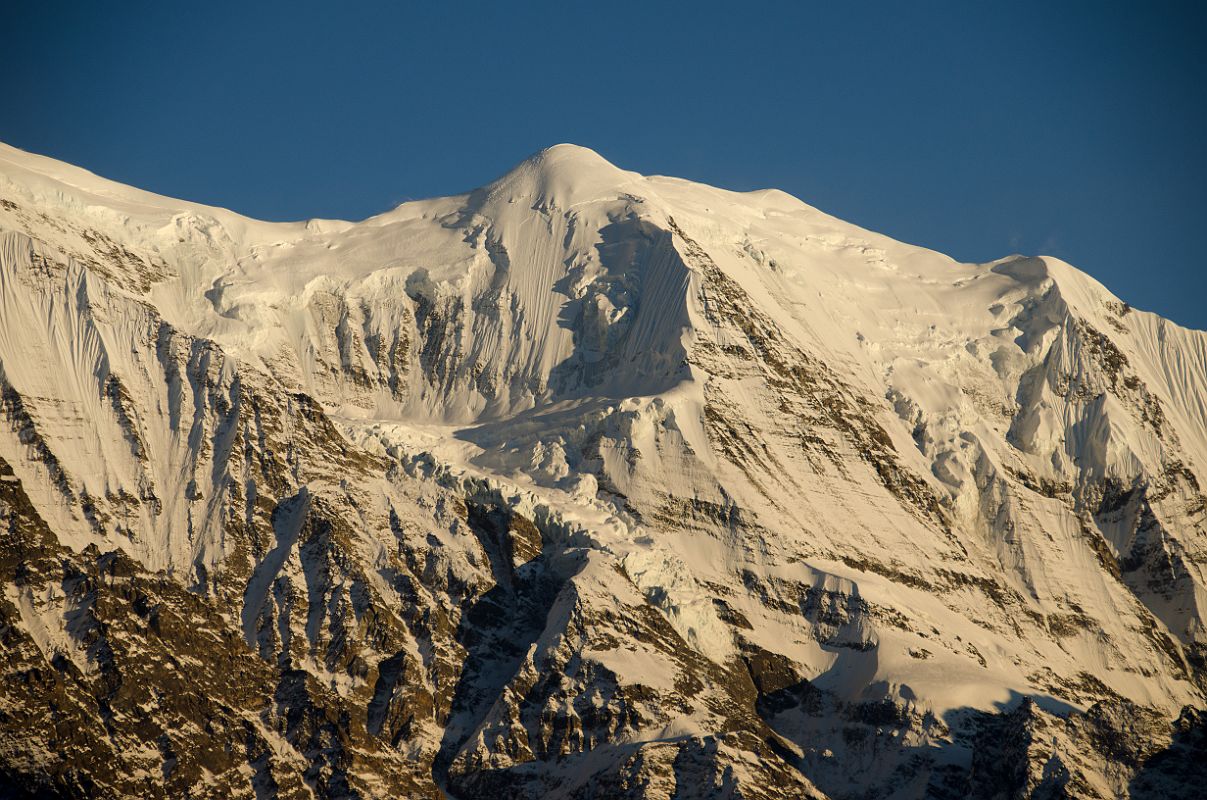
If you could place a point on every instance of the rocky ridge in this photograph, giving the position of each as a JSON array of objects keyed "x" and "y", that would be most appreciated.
[{"x": 583, "y": 484}]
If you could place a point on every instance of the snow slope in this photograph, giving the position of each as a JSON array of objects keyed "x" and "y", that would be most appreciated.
[{"x": 589, "y": 476}]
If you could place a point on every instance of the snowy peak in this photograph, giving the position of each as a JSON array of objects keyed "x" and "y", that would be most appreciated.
[
  {"x": 584, "y": 482},
  {"x": 562, "y": 176},
  {"x": 572, "y": 163}
]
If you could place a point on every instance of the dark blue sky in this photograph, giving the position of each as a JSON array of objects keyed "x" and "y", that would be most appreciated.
[{"x": 979, "y": 129}]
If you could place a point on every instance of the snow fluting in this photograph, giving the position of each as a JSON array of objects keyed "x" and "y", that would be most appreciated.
[{"x": 584, "y": 484}]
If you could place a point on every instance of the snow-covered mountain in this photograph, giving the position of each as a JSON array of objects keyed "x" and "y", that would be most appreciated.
[{"x": 583, "y": 484}]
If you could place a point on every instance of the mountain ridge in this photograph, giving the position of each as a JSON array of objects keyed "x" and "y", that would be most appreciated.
[{"x": 586, "y": 478}]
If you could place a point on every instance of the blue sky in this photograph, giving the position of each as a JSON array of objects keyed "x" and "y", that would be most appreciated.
[{"x": 979, "y": 129}]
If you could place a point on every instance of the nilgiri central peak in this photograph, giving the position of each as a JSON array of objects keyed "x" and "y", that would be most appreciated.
[{"x": 583, "y": 484}]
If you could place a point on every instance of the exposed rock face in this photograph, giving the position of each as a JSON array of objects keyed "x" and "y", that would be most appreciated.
[{"x": 583, "y": 485}]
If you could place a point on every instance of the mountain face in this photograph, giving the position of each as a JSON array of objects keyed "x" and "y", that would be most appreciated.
[{"x": 584, "y": 484}]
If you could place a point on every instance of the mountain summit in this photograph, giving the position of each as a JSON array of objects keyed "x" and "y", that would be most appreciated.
[
  {"x": 583, "y": 484},
  {"x": 565, "y": 174}
]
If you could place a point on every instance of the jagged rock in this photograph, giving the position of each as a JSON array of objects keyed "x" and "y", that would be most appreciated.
[{"x": 583, "y": 484}]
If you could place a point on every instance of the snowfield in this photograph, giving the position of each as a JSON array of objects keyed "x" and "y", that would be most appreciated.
[{"x": 584, "y": 484}]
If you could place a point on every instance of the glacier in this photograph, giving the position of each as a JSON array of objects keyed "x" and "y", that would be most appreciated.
[{"x": 584, "y": 484}]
